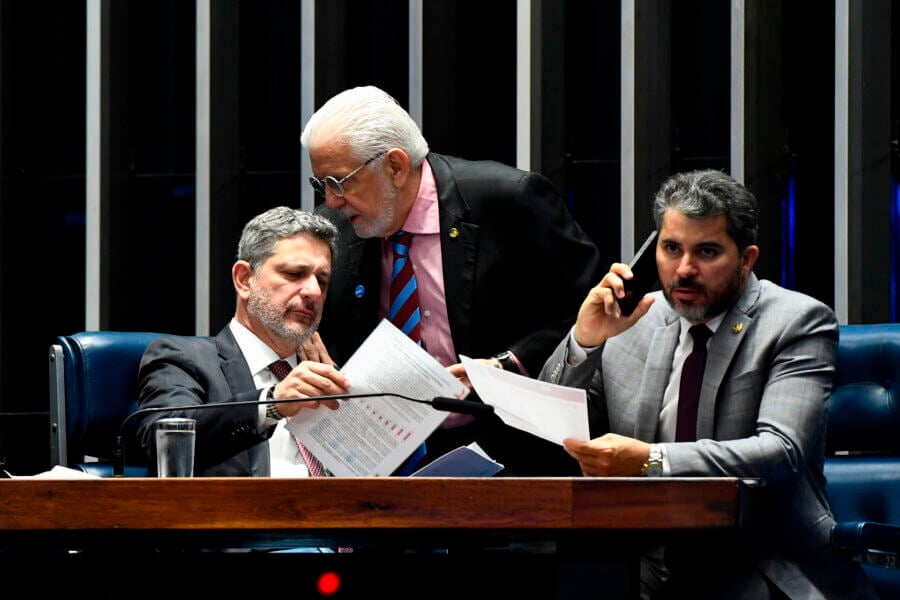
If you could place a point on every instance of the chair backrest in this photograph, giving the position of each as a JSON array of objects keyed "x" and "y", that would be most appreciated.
[
  {"x": 93, "y": 387},
  {"x": 863, "y": 438}
]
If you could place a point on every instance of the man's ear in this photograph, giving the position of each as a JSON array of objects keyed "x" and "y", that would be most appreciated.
[
  {"x": 396, "y": 163},
  {"x": 240, "y": 276},
  {"x": 748, "y": 259}
]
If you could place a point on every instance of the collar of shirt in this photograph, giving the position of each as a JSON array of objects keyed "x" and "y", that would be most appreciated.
[
  {"x": 257, "y": 354},
  {"x": 425, "y": 253},
  {"x": 424, "y": 217},
  {"x": 668, "y": 415},
  {"x": 684, "y": 339}
]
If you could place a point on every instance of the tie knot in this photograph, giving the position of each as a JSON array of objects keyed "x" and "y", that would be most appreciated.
[
  {"x": 280, "y": 368},
  {"x": 700, "y": 333},
  {"x": 402, "y": 238}
]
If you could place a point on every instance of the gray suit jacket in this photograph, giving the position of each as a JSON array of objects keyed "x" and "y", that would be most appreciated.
[
  {"x": 762, "y": 413},
  {"x": 184, "y": 371}
]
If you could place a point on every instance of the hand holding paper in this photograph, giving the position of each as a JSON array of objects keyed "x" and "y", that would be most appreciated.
[
  {"x": 367, "y": 437},
  {"x": 552, "y": 412}
]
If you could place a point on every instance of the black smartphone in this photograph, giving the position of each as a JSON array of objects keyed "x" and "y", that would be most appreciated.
[{"x": 646, "y": 276}]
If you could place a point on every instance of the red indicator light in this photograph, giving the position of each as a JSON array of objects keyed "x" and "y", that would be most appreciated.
[{"x": 329, "y": 583}]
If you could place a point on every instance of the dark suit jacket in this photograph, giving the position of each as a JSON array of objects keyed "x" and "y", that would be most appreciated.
[
  {"x": 180, "y": 371},
  {"x": 516, "y": 268}
]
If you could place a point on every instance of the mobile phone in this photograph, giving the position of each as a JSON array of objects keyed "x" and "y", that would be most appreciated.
[{"x": 646, "y": 276}]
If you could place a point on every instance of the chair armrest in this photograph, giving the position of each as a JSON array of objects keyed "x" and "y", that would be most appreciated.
[{"x": 871, "y": 543}]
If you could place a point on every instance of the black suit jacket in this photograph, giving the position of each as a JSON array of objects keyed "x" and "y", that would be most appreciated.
[
  {"x": 183, "y": 371},
  {"x": 516, "y": 268}
]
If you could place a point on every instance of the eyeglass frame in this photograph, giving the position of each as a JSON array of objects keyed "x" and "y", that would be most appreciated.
[{"x": 330, "y": 182}]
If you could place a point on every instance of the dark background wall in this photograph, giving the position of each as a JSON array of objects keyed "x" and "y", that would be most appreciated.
[{"x": 682, "y": 73}]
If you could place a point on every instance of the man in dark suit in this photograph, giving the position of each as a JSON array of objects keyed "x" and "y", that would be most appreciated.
[
  {"x": 281, "y": 277},
  {"x": 766, "y": 361},
  {"x": 500, "y": 263}
]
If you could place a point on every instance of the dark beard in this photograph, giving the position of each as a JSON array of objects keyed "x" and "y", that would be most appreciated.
[
  {"x": 261, "y": 307},
  {"x": 718, "y": 305}
]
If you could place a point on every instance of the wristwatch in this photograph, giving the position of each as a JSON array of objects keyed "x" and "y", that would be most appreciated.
[
  {"x": 654, "y": 465},
  {"x": 506, "y": 361},
  {"x": 272, "y": 409}
]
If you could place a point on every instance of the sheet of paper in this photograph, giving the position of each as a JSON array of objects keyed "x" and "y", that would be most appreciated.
[
  {"x": 552, "y": 412},
  {"x": 373, "y": 436},
  {"x": 59, "y": 472}
]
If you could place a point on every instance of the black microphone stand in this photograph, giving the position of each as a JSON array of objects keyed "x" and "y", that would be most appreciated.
[{"x": 469, "y": 407}]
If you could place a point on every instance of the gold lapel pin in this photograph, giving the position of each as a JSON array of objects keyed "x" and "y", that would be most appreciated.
[
  {"x": 454, "y": 232},
  {"x": 738, "y": 327}
]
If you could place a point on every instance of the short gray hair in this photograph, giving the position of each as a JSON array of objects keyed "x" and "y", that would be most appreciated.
[
  {"x": 708, "y": 193},
  {"x": 370, "y": 121},
  {"x": 263, "y": 232}
]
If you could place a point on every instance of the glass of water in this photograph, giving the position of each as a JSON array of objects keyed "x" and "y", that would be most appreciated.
[{"x": 175, "y": 447}]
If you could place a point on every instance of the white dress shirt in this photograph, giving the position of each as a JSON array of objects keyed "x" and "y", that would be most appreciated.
[{"x": 284, "y": 456}]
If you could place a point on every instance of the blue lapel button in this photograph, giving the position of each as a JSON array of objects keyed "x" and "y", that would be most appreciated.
[{"x": 360, "y": 291}]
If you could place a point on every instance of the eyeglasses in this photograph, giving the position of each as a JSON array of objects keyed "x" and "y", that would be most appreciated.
[{"x": 337, "y": 185}]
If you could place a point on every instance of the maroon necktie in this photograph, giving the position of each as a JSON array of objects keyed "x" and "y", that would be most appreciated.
[
  {"x": 281, "y": 368},
  {"x": 691, "y": 382}
]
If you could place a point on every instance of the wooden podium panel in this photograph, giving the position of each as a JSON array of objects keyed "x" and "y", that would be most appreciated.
[
  {"x": 254, "y": 508},
  {"x": 502, "y": 537}
]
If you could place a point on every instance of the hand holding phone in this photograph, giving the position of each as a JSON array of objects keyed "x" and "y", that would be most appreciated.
[{"x": 646, "y": 275}]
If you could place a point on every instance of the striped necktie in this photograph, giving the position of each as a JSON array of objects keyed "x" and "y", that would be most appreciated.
[
  {"x": 281, "y": 368},
  {"x": 404, "y": 295},
  {"x": 404, "y": 313}
]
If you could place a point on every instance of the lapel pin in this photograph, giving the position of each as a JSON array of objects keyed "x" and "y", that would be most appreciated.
[
  {"x": 738, "y": 327},
  {"x": 360, "y": 291},
  {"x": 454, "y": 232}
]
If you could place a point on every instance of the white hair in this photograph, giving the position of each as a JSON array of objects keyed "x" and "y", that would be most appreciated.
[{"x": 369, "y": 121}]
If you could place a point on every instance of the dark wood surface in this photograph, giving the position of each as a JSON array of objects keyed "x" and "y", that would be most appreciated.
[
  {"x": 354, "y": 503},
  {"x": 560, "y": 538}
]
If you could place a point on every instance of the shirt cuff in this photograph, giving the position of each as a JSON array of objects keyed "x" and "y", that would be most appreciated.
[
  {"x": 577, "y": 353},
  {"x": 667, "y": 469}
]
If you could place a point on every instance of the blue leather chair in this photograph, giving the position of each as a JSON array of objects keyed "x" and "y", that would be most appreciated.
[
  {"x": 863, "y": 451},
  {"x": 93, "y": 387}
]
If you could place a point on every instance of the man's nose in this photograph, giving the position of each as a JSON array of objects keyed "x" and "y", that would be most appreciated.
[
  {"x": 311, "y": 288},
  {"x": 686, "y": 266},
  {"x": 332, "y": 200}
]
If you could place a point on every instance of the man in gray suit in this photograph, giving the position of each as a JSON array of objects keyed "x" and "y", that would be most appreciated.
[
  {"x": 281, "y": 277},
  {"x": 760, "y": 411}
]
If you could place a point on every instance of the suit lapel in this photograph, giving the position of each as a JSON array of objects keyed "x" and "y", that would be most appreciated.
[
  {"x": 234, "y": 365},
  {"x": 459, "y": 251},
  {"x": 657, "y": 371},
  {"x": 722, "y": 348},
  {"x": 239, "y": 378}
]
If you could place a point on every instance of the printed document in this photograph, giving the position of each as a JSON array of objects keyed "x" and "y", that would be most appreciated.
[
  {"x": 549, "y": 411},
  {"x": 373, "y": 436}
]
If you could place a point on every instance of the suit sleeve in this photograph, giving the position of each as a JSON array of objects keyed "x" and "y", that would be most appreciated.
[
  {"x": 560, "y": 266},
  {"x": 181, "y": 373},
  {"x": 787, "y": 391}
]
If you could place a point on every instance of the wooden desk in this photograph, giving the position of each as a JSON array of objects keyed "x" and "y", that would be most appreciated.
[{"x": 573, "y": 515}]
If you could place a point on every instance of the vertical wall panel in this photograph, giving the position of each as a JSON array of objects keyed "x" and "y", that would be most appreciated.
[{"x": 868, "y": 161}]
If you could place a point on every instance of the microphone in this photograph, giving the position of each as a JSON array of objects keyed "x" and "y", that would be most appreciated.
[{"x": 468, "y": 407}]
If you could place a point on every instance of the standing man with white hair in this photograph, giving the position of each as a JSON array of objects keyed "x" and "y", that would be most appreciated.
[{"x": 482, "y": 236}]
